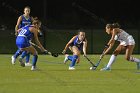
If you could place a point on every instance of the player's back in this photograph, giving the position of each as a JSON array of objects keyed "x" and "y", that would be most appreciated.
[
  {"x": 25, "y": 32},
  {"x": 122, "y": 36}
]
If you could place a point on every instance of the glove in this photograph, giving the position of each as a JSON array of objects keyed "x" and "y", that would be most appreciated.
[
  {"x": 40, "y": 34},
  {"x": 106, "y": 45},
  {"x": 64, "y": 51},
  {"x": 101, "y": 56}
]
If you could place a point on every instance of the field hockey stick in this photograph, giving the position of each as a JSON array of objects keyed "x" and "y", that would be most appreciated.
[
  {"x": 45, "y": 52},
  {"x": 90, "y": 61},
  {"x": 101, "y": 56}
]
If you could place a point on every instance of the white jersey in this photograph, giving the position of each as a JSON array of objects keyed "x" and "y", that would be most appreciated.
[{"x": 124, "y": 38}]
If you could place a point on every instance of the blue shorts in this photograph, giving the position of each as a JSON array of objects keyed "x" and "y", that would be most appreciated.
[{"x": 22, "y": 42}]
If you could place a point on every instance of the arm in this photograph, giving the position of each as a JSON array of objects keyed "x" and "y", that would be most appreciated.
[
  {"x": 110, "y": 44},
  {"x": 85, "y": 47},
  {"x": 114, "y": 32},
  {"x": 68, "y": 44},
  {"x": 17, "y": 25},
  {"x": 36, "y": 39},
  {"x": 106, "y": 50}
]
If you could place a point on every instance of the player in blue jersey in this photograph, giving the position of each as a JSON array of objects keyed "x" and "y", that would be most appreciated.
[
  {"x": 23, "y": 41},
  {"x": 22, "y": 21},
  {"x": 77, "y": 44}
]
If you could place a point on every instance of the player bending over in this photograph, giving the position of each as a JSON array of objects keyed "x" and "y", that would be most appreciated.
[
  {"x": 77, "y": 44},
  {"x": 127, "y": 43},
  {"x": 23, "y": 41}
]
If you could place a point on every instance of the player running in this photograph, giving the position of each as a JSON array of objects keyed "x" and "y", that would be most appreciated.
[
  {"x": 77, "y": 44},
  {"x": 23, "y": 41},
  {"x": 127, "y": 43}
]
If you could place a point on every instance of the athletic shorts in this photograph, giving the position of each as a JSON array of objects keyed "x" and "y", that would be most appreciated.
[{"x": 22, "y": 42}]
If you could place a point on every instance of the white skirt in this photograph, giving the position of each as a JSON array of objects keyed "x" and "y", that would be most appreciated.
[{"x": 128, "y": 41}]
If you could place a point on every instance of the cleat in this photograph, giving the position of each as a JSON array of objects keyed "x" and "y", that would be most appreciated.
[
  {"x": 28, "y": 64},
  {"x": 13, "y": 60},
  {"x": 21, "y": 62},
  {"x": 33, "y": 68},
  {"x": 71, "y": 68},
  {"x": 66, "y": 58},
  {"x": 105, "y": 69}
]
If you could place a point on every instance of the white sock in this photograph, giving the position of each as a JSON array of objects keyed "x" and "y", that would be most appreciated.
[
  {"x": 111, "y": 61},
  {"x": 133, "y": 59}
]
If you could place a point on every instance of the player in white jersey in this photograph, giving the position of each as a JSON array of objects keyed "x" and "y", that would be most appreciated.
[{"x": 127, "y": 43}]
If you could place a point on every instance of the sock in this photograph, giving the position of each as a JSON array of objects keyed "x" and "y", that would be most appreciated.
[
  {"x": 27, "y": 57},
  {"x": 24, "y": 53},
  {"x": 18, "y": 52},
  {"x": 73, "y": 60},
  {"x": 111, "y": 61},
  {"x": 70, "y": 58},
  {"x": 133, "y": 59},
  {"x": 34, "y": 60}
]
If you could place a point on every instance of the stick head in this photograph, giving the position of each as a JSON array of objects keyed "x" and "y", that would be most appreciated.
[{"x": 55, "y": 54}]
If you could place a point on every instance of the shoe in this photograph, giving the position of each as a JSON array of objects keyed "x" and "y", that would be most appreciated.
[
  {"x": 21, "y": 62},
  {"x": 105, "y": 69},
  {"x": 71, "y": 68},
  {"x": 28, "y": 64},
  {"x": 13, "y": 60},
  {"x": 33, "y": 68},
  {"x": 66, "y": 58},
  {"x": 138, "y": 66}
]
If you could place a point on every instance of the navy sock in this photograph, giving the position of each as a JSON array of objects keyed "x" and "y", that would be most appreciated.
[
  {"x": 73, "y": 60},
  {"x": 34, "y": 60},
  {"x": 18, "y": 52},
  {"x": 27, "y": 57},
  {"x": 70, "y": 58},
  {"x": 24, "y": 53}
]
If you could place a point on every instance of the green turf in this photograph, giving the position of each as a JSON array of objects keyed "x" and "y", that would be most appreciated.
[{"x": 53, "y": 76}]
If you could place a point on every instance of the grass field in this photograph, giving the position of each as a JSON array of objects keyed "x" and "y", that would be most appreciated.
[{"x": 53, "y": 76}]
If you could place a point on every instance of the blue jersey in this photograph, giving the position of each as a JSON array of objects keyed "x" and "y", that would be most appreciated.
[
  {"x": 25, "y": 21},
  {"x": 24, "y": 37},
  {"x": 26, "y": 32},
  {"x": 77, "y": 43}
]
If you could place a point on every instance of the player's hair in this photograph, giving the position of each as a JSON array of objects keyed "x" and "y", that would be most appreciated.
[
  {"x": 35, "y": 18},
  {"x": 80, "y": 30},
  {"x": 36, "y": 21},
  {"x": 114, "y": 25},
  {"x": 27, "y": 7}
]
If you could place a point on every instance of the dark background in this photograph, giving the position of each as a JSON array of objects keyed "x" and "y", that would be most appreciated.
[
  {"x": 62, "y": 13},
  {"x": 62, "y": 18}
]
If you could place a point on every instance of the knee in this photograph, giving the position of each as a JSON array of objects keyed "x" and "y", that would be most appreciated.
[
  {"x": 116, "y": 52},
  {"x": 35, "y": 53}
]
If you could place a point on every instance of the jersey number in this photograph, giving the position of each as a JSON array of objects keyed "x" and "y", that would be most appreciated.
[{"x": 23, "y": 31}]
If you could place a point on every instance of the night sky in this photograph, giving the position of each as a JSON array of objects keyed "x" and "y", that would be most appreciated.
[{"x": 67, "y": 12}]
